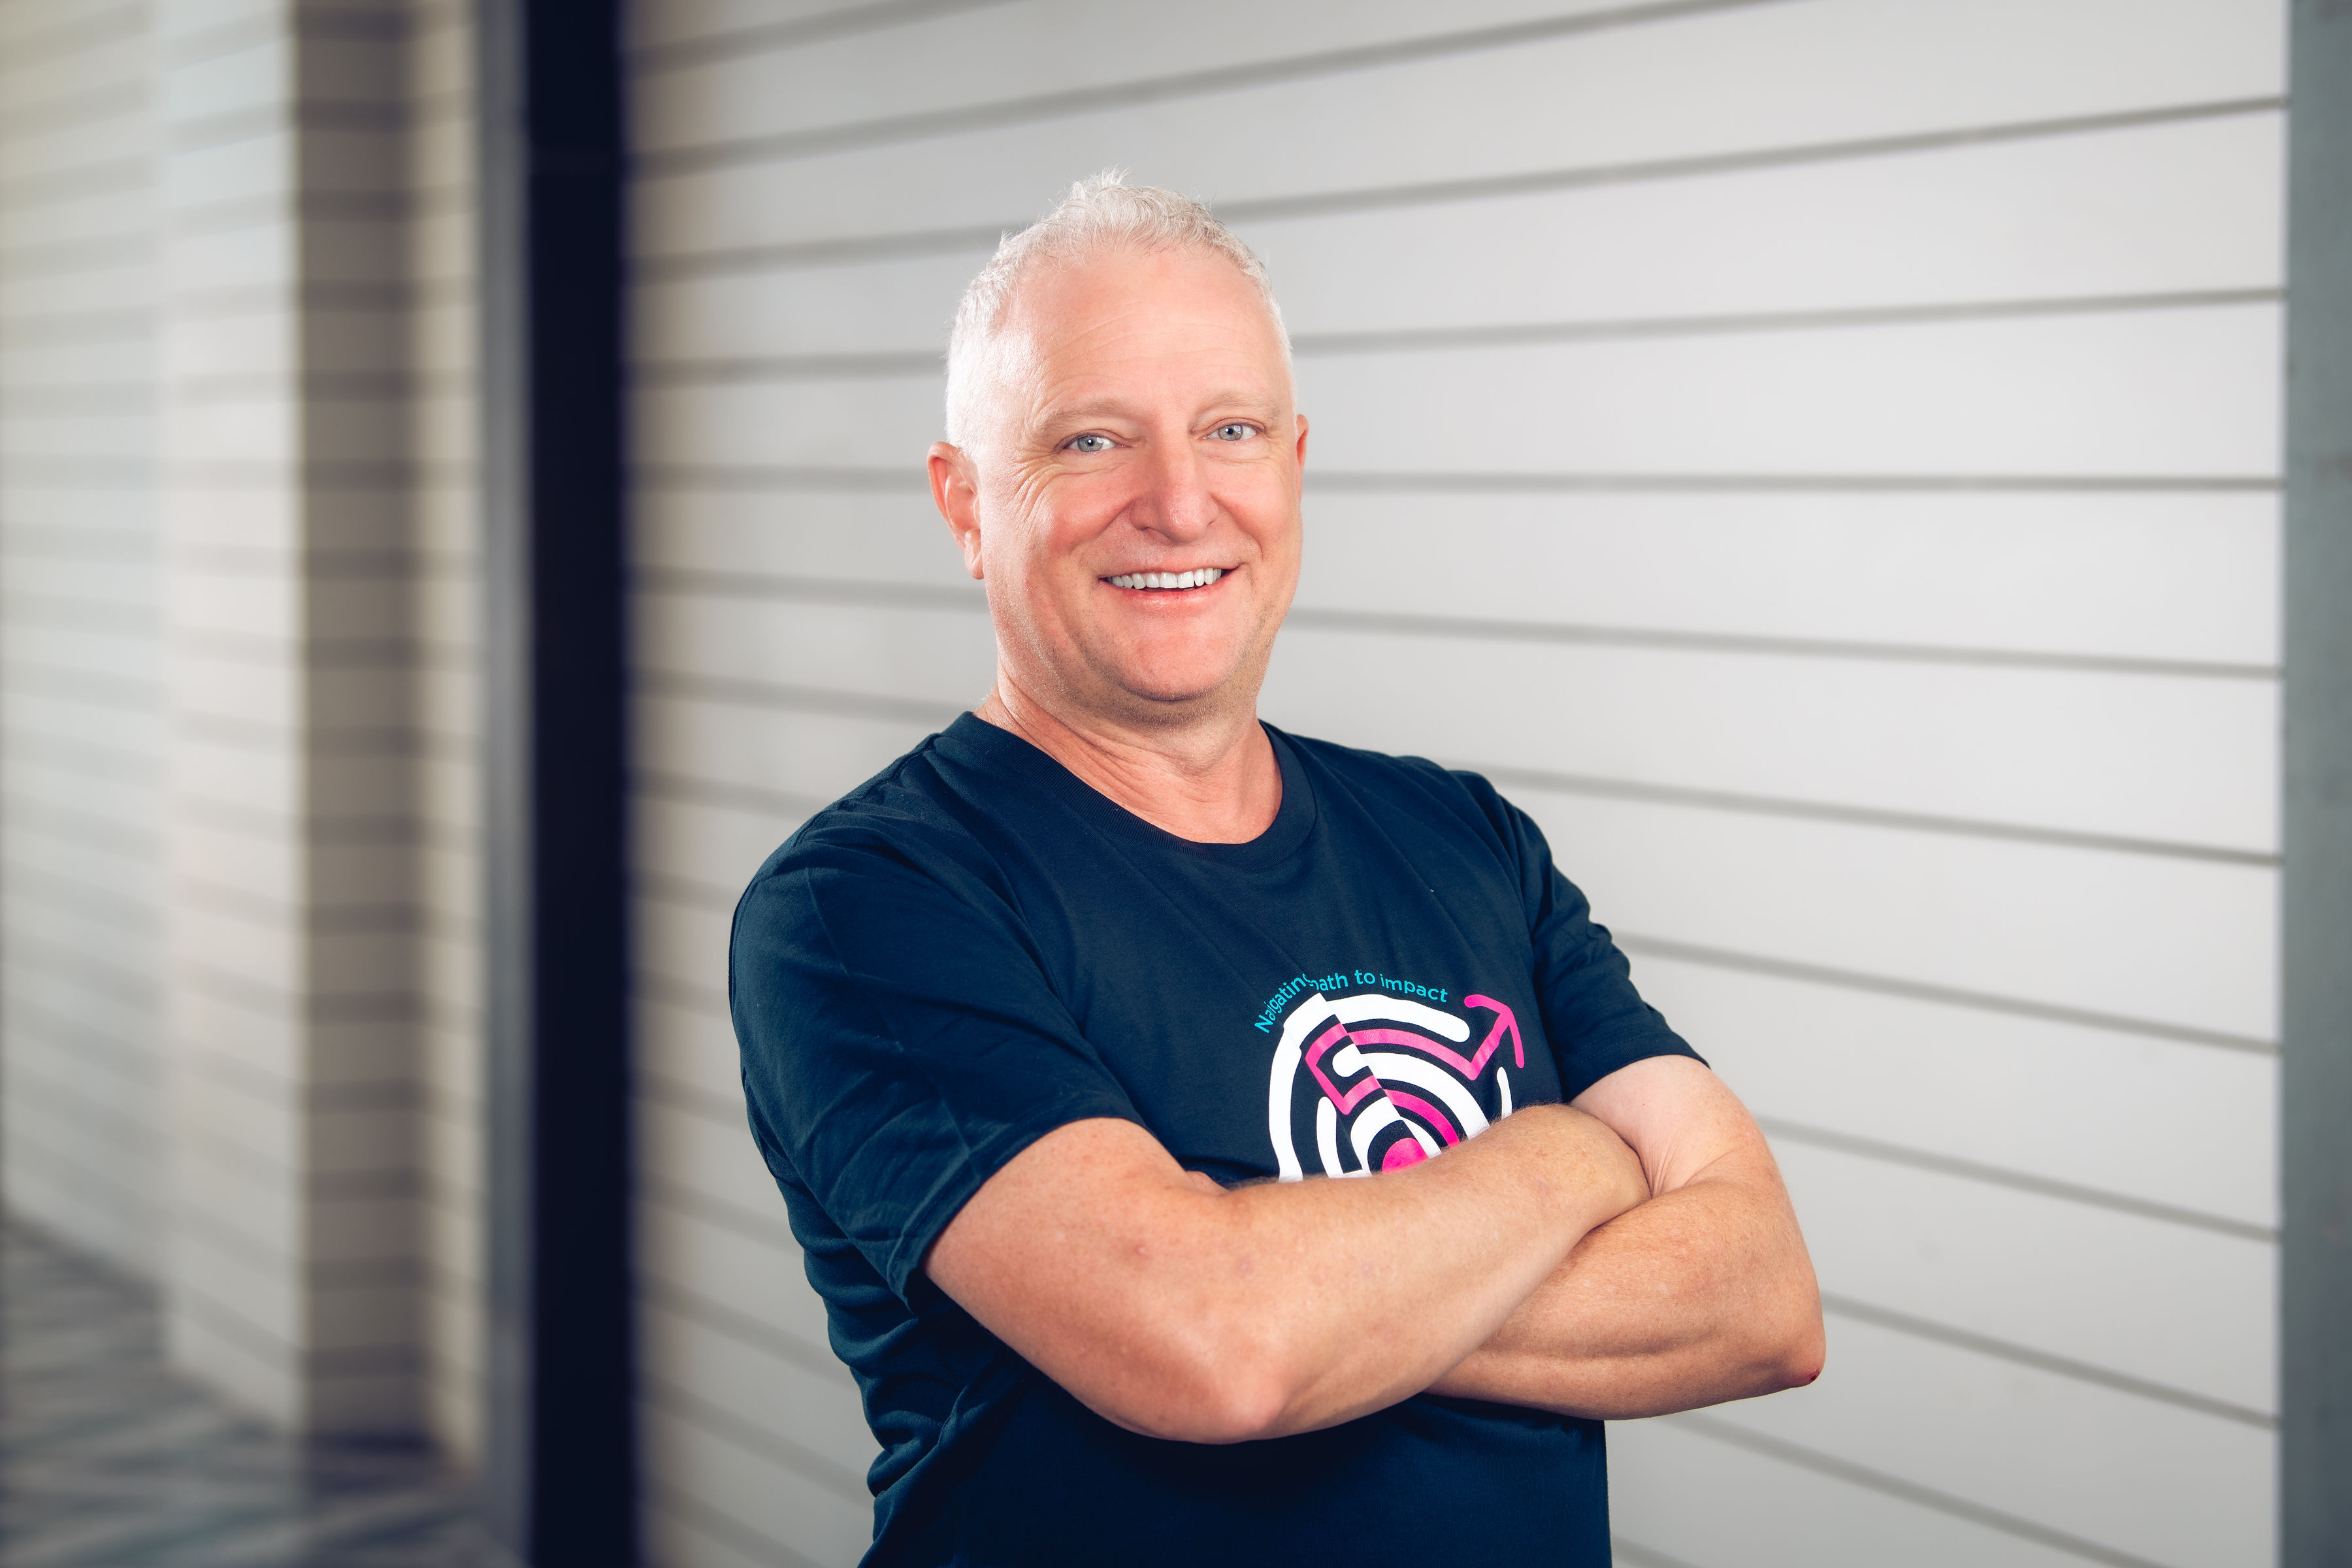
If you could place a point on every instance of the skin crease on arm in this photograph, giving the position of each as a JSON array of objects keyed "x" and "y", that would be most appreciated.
[
  {"x": 1703, "y": 1294},
  {"x": 1180, "y": 1309}
]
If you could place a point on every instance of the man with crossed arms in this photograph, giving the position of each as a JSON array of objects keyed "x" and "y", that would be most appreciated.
[{"x": 1208, "y": 1141}]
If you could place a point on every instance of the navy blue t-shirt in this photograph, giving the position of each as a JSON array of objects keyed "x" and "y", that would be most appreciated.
[{"x": 975, "y": 948}]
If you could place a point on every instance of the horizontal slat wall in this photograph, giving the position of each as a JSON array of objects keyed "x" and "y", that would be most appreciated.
[
  {"x": 1820, "y": 457},
  {"x": 82, "y": 728},
  {"x": 143, "y": 267}
]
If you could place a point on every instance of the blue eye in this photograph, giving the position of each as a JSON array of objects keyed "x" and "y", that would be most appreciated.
[
  {"x": 1236, "y": 431},
  {"x": 1090, "y": 444}
]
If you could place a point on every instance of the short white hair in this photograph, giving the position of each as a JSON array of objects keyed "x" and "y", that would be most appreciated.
[{"x": 1102, "y": 214}]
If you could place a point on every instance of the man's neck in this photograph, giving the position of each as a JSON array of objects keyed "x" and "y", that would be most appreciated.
[{"x": 1214, "y": 782}]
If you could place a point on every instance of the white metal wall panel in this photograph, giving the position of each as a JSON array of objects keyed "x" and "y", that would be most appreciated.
[
  {"x": 81, "y": 731},
  {"x": 1818, "y": 455}
]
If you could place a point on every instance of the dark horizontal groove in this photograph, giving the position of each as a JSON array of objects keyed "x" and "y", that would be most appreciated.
[
  {"x": 123, "y": 1053},
  {"x": 715, "y": 1523},
  {"x": 711, "y": 1001},
  {"x": 740, "y": 1326},
  {"x": 119, "y": 99},
  {"x": 1624, "y": 1551},
  {"x": 127, "y": 1193},
  {"x": 802, "y": 480},
  {"x": 82, "y": 617},
  {"x": 139, "y": 840},
  {"x": 926, "y": 124},
  {"x": 75, "y": 183},
  {"x": 26, "y": 540},
  {"x": 1361, "y": 482},
  {"x": 66, "y": 400},
  {"x": 982, "y": 237},
  {"x": 84, "y": 686},
  {"x": 685, "y": 892},
  {"x": 1860, "y": 816},
  {"x": 657, "y": 785},
  {"x": 773, "y": 1230},
  {"x": 2062, "y": 1366},
  {"x": 773, "y": 1446},
  {"x": 660, "y": 1089},
  {"x": 2018, "y": 1180},
  {"x": 132, "y": 984},
  {"x": 1949, "y": 996},
  {"x": 810, "y": 590},
  {"x": 1532, "y": 333},
  {"x": 42, "y": 46},
  {"x": 1523, "y": 334},
  {"x": 352, "y": 386},
  {"x": 1317, "y": 618},
  {"x": 125, "y": 916},
  {"x": 790, "y": 367},
  {"x": 76, "y": 256},
  {"x": 99, "y": 1120},
  {"x": 82, "y": 327},
  {"x": 850, "y": 20},
  {"x": 817, "y": 480},
  {"x": 794, "y": 698},
  {"x": 1943, "y": 1502},
  {"x": 29, "y": 747},
  {"x": 87, "y": 471}
]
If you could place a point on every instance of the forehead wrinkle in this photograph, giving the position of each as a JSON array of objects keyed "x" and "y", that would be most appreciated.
[{"x": 1038, "y": 351}]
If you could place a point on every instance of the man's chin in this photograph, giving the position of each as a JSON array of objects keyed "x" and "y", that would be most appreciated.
[{"x": 1161, "y": 698}]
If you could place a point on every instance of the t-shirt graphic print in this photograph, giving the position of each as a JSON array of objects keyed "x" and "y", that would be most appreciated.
[
  {"x": 1378, "y": 1081},
  {"x": 974, "y": 949}
]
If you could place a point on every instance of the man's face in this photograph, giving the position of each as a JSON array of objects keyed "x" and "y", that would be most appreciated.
[{"x": 1134, "y": 420}]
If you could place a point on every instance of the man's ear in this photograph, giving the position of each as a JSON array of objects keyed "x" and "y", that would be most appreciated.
[{"x": 955, "y": 492}]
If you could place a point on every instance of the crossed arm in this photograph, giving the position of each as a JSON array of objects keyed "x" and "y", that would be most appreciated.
[{"x": 1630, "y": 1255}]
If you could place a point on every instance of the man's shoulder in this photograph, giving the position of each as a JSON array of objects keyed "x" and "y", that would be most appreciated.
[
  {"x": 1411, "y": 779},
  {"x": 906, "y": 814}
]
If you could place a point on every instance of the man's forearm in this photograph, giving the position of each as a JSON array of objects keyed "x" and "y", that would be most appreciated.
[
  {"x": 1701, "y": 1295},
  {"x": 1215, "y": 1316}
]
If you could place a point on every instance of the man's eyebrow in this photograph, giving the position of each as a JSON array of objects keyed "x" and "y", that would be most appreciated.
[
  {"x": 1247, "y": 402},
  {"x": 1081, "y": 411}
]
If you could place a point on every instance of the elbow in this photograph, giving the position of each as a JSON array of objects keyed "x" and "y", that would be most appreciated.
[
  {"x": 1794, "y": 1354},
  {"x": 1239, "y": 1411},
  {"x": 1209, "y": 1398},
  {"x": 1803, "y": 1353}
]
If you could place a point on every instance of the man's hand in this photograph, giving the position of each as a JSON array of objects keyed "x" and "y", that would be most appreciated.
[
  {"x": 1703, "y": 1294},
  {"x": 1179, "y": 1310}
]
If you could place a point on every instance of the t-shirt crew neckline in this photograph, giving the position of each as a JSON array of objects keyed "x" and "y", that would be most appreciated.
[{"x": 1294, "y": 819}]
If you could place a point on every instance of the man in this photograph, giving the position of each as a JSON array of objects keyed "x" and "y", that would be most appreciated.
[{"x": 1030, "y": 1020}]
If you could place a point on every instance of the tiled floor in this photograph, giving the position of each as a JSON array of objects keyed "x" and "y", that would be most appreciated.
[{"x": 106, "y": 1460}]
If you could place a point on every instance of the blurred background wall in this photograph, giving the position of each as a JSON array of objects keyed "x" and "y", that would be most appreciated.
[
  {"x": 239, "y": 1051},
  {"x": 1822, "y": 458},
  {"x": 1819, "y": 456}
]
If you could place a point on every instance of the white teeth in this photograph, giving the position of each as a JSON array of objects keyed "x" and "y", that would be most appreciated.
[{"x": 1201, "y": 577}]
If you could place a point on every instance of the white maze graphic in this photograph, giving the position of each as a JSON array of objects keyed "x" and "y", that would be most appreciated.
[{"x": 1378, "y": 1082}]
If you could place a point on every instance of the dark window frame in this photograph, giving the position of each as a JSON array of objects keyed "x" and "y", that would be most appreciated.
[
  {"x": 560, "y": 1456},
  {"x": 2316, "y": 1110}
]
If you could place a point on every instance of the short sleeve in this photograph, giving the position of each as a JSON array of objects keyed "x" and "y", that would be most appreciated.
[
  {"x": 900, "y": 1042},
  {"x": 1596, "y": 1020}
]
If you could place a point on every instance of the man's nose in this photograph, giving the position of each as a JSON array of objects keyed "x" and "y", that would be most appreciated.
[{"x": 1176, "y": 501}]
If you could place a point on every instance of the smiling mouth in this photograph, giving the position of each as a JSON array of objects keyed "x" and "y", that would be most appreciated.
[{"x": 1200, "y": 577}]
